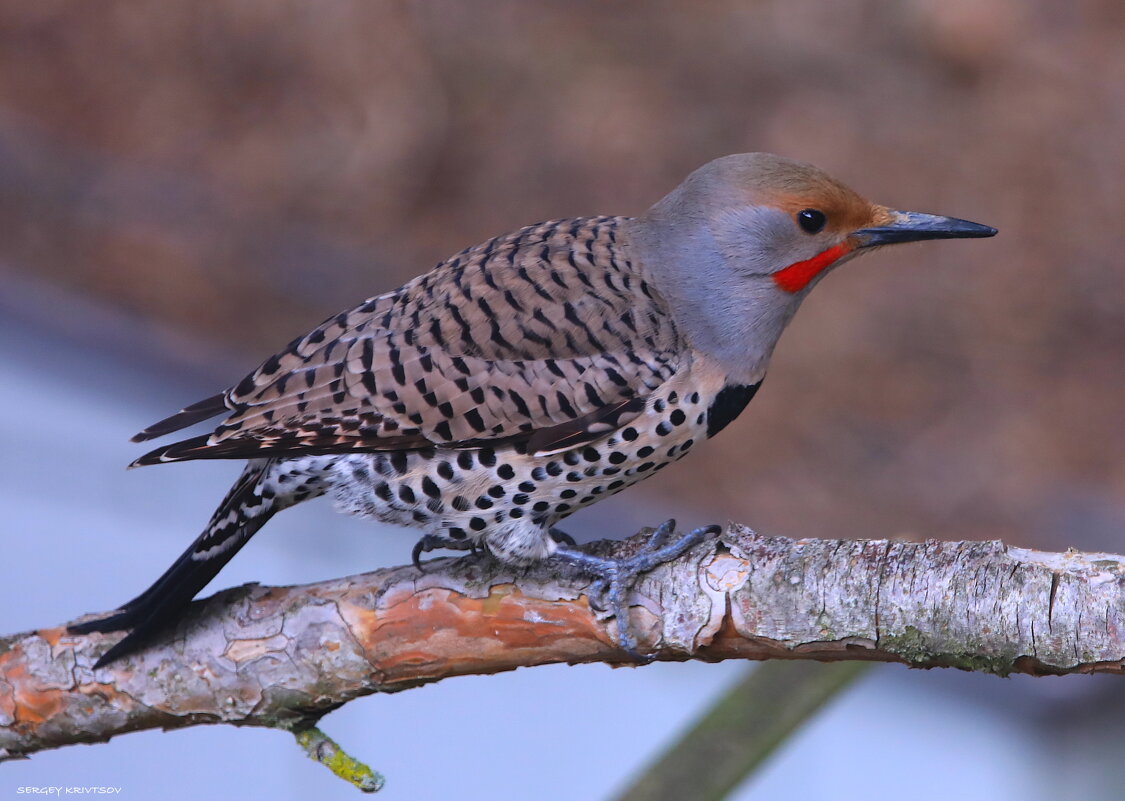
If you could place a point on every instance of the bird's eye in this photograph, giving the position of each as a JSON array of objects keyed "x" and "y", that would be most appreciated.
[{"x": 811, "y": 220}]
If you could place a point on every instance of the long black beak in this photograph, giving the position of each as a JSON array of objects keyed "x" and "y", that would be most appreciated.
[{"x": 913, "y": 226}]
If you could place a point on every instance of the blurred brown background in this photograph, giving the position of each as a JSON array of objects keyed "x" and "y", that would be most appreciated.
[{"x": 240, "y": 171}]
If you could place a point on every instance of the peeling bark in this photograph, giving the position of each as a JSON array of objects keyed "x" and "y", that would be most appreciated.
[{"x": 283, "y": 656}]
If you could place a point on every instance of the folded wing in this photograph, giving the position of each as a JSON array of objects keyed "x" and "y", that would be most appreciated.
[{"x": 546, "y": 336}]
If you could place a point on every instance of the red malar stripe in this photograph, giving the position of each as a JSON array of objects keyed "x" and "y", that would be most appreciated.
[{"x": 796, "y": 276}]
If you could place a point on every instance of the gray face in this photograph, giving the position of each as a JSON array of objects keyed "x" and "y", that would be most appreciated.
[
  {"x": 757, "y": 241},
  {"x": 713, "y": 255}
]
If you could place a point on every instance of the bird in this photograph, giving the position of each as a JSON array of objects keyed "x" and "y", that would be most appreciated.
[{"x": 528, "y": 377}]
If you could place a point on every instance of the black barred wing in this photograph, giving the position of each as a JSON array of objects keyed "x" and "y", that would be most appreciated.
[{"x": 547, "y": 335}]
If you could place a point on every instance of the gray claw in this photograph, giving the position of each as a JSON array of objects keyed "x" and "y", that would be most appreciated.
[
  {"x": 562, "y": 538},
  {"x": 431, "y": 542},
  {"x": 614, "y": 577}
]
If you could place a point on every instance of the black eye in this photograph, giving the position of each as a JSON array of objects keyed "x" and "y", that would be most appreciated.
[{"x": 811, "y": 221}]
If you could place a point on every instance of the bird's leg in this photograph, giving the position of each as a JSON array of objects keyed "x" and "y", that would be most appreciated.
[
  {"x": 616, "y": 576},
  {"x": 431, "y": 542}
]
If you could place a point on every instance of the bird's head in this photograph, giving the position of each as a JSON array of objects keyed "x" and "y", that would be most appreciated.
[{"x": 742, "y": 240}]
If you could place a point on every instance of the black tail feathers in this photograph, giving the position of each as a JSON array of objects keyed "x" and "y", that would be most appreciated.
[
  {"x": 238, "y": 518},
  {"x": 188, "y": 416}
]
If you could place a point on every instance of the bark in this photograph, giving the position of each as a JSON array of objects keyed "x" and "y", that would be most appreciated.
[{"x": 284, "y": 656}]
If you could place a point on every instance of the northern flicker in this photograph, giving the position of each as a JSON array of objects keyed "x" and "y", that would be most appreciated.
[{"x": 529, "y": 376}]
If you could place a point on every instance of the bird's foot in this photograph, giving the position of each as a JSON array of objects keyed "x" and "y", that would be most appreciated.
[
  {"x": 616, "y": 576},
  {"x": 432, "y": 542}
]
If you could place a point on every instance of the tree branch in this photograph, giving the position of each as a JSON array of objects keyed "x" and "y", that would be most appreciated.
[{"x": 284, "y": 656}]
